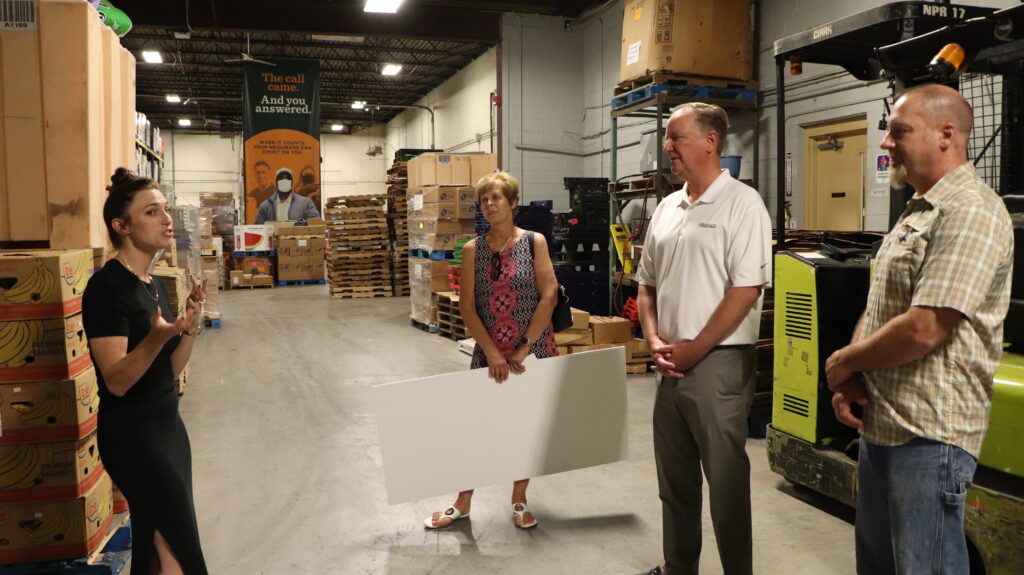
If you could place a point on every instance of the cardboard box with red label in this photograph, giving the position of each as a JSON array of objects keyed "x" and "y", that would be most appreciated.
[
  {"x": 42, "y": 349},
  {"x": 43, "y": 283},
  {"x": 254, "y": 238},
  {"x": 49, "y": 410},
  {"x": 48, "y": 470},
  {"x": 61, "y": 529}
]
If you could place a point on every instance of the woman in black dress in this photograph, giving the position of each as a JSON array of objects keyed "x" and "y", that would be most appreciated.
[{"x": 140, "y": 348}]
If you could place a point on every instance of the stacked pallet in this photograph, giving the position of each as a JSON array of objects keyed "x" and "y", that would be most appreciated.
[
  {"x": 359, "y": 264},
  {"x": 449, "y": 317},
  {"x": 177, "y": 283},
  {"x": 398, "y": 226}
]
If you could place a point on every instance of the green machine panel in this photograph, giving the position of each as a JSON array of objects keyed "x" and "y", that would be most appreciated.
[
  {"x": 1002, "y": 449},
  {"x": 818, "y": 300}
]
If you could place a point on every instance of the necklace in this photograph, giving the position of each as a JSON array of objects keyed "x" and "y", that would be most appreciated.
[{"x": 145, "y": 286}]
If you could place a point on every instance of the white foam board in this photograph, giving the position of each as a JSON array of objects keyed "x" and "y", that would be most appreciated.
[{"x": 447, "y": 433}]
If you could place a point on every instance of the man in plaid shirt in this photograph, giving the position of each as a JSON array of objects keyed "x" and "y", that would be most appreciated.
[{"x": 924, "y": 353}]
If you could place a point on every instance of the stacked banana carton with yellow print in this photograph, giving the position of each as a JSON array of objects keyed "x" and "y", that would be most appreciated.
[{"x": 55, "y": 497}]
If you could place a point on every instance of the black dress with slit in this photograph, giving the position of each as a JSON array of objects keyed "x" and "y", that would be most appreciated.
[{"x": 142, "y": 440}]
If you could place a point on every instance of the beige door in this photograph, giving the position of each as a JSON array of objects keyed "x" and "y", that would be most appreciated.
[{"x": 835, "y": 175}]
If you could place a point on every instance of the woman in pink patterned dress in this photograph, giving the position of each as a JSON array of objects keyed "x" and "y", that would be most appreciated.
[{"x": 508, "y": 294}]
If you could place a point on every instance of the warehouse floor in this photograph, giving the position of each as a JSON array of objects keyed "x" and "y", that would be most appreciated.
[{"x": 288, "y": 476}]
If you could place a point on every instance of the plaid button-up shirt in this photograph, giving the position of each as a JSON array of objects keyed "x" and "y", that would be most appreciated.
[{"x": 951, "y": 248}]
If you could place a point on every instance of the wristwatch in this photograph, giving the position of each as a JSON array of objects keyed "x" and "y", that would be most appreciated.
[{"x": 523, "y": 342}]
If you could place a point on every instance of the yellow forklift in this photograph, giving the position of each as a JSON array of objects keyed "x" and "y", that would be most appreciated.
[{"x": 820, "y": 293}]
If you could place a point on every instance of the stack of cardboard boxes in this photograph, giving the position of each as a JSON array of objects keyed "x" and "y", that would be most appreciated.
[
  {"x": 360, "y": 251},
  {"x": 442, "y": 209},
  {"x": 398, "y": 226},
  {"x": 591, "y": 332},
  {"x": 300, "y": 253},
  {"x": 252, "y": 258},
  {"x": 55, "y": 496}
]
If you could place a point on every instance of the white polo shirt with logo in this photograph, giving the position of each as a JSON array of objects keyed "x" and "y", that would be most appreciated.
[{"x": 694, "y": 253}]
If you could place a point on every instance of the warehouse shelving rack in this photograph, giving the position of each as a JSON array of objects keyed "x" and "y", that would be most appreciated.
[{"x": 658, "y": 107}]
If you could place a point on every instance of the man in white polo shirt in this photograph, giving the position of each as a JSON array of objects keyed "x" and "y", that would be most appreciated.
[{"x": 706, "y": 259}]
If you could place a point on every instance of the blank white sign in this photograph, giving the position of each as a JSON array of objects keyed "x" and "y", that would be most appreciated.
[{"x": 447, "y": 433}]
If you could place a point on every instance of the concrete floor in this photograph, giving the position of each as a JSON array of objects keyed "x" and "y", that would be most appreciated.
[{"x": 288, "y": 476}]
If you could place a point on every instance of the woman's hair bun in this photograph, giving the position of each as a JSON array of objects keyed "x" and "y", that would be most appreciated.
[{"x": 121, "y": 176}]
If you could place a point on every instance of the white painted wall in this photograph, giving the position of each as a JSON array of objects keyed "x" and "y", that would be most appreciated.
[
  {"x": 542, "y": 72},
  {"x": 462, "y": 112},
  {"x": 208, "y": 163}
]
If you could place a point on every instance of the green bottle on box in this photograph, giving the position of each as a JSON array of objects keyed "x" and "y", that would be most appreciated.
[{"x": 114, "y": 19}]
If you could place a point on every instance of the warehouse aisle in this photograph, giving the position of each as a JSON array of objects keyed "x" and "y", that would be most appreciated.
[{"x": 288, "y": 477}]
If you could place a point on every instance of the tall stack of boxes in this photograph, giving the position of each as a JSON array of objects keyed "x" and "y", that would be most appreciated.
[
  {"x": 55, "y": 497},
  {"x": 581, "y": 241},
  {"x": 300, "y": 253},
  {"x": 252, "y": 263},
  {"x": 359, "y": 260},
  {"x": 398, "y": 225},
  {"x": 442, "y": 209}
]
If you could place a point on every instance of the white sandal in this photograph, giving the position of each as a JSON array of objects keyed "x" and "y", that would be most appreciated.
[
  {"x": 451, "y": 513},
  {"x": 520, "y": 510}
]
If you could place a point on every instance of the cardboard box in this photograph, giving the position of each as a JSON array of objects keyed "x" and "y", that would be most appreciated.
[
  {"x": 63, "y": 529},
  {"x": 211, "y": 199},
  {"x": 595, "y": 347},
  {"x": 242, "y": 279},
  {"x": 440, "y": 227},
  {"x": 255, "y": 266},
  {"x": 563, "y": 350},
  {"x": 574, "y": 337},
  {"x": 49, "y": 410},
  {"x": 289, "y": 229},
  {"x": 481, "y": 165},
  {"x": 580, "y": 319},
  {"x": 610, "y": 329},
  {"x": 687, "y": 37},
  {"x": 254, "y": 238},
  {"x": 434, "y": 242},
  {"x": 439, "y": 169},
  {"x": 48, "y": 470},
  {"x": 418, "y": 197},
  {"x": 291, "y": 271},
  {"x": 41, "y": 349},
  {"x": 432, "y": 275},
  {"x": 43, "y": 283},
  {"x": 637, "y": 351},
  {"x": 440, "y": 211}
]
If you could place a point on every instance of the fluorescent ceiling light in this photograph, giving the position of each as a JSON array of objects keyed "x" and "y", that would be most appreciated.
[
  {"x": 358, "y": 105},
  {"x": 184, "y": 122},
  {"x": 385, "y": 6},
  {"x": 152, "y": 56},
  {"x": 334, "y": 38},
  {"x": 173, "y": 98},
  {"x": 391, "y": 69},
  {"x": 337, "y": 127}
]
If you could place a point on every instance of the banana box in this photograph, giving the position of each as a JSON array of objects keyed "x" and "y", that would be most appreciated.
[
  {"x": 43, "y": 283},
  {"x": 43, "y": 349},
  {"x": 51, "y": 530},
  {"x": 49, "y": 410},
  {"x": 48, "y": 470}
]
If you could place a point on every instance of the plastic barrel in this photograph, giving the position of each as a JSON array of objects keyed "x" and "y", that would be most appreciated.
[{"x": 732, "y": 163}]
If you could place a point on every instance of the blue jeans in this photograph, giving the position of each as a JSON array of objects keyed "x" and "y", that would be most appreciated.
[{"x": 910, "y": 508}]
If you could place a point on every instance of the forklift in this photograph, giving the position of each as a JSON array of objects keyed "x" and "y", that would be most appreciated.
[{"x": 820, "y": 293}]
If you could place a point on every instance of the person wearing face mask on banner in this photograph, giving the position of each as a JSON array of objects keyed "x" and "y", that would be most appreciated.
[
  {"x": 285, "y": 205},
  {"x": 308, "y": 185}
]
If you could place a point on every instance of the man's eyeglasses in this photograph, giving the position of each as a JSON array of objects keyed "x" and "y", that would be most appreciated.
[{"x": 495, "y": 266}]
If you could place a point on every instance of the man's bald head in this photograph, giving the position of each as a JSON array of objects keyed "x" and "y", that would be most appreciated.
[{"x": 938, "y": 104}]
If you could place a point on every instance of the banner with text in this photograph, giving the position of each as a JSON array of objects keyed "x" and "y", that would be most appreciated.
[{"x": 281, "y": 109}]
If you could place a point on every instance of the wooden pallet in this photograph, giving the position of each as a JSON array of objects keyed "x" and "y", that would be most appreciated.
[
  {"x": 361, "y": 292},
  {"x": 663, "y": 77}
]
